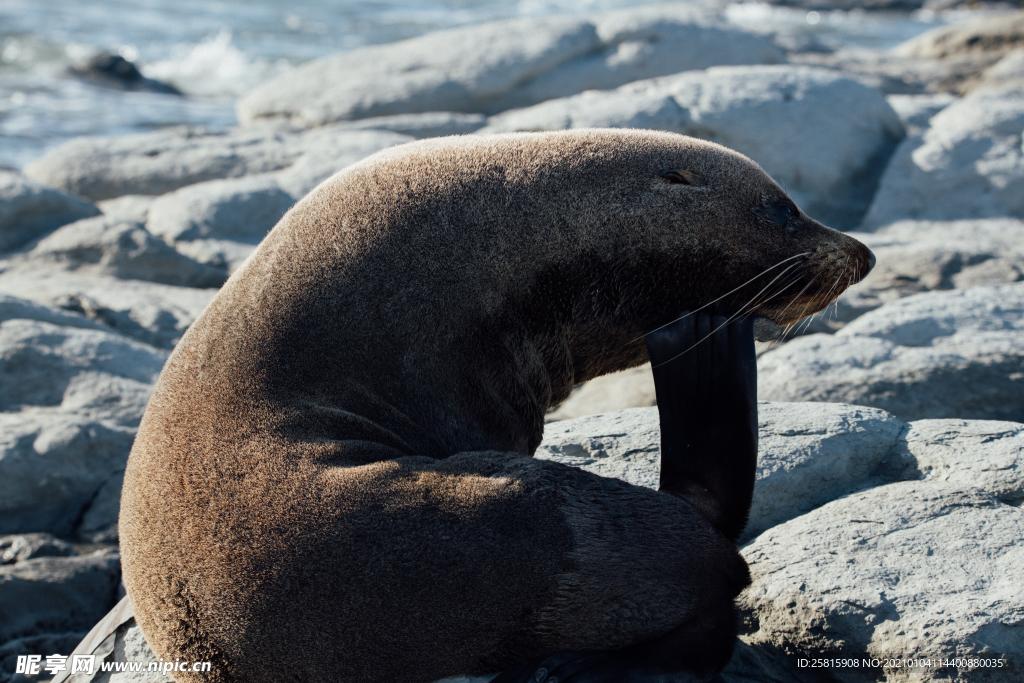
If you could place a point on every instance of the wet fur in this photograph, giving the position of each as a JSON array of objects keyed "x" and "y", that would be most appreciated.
[{"x": 332, "y": 481}]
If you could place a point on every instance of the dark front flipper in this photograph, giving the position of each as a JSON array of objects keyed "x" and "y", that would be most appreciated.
[{"x": 705, "y": 377}]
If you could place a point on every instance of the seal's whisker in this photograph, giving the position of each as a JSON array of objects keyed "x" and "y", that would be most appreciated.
[
  {"x": 800, "y": 294},
  {"x": 766, "y": 287},
  {"x": 838, "y": 279},
  {"x": 780, "y": 289},
  {"x": 733, "y": 316},
  {"x": 723, "y": 296}
]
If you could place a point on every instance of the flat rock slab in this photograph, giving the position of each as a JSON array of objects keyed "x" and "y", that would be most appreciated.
[
  {"x": 149, "y": 312},
  {"x": 500, "y": 65},
  {"x": 123, "y": 249},
  {"x": 55, "y": 594},
  {"x": 931, "y": 355},
  {"x": 910, "y": 570},
  {"x": 916, "y": 111},
  {"x": 986, "y": 454},
  {"x": 632, "y": 388},
  {"x": 21, "y": 547},
  {"x": 51, "y": 365},
  {"x": 921, "y": 256},
  {"x": 991, "y": 37},
  {"x": 72, "y": 398},
  {"x": 967, "y": 164},
  {"x": 103, "y": 168},
  {"x": 830, "y": 135},
  {"x": 160, "y": 162},
  {"x": 28, "y": 210},
  {"x": 1007, "y": 74},
  {"x": 245, "y": 209}
]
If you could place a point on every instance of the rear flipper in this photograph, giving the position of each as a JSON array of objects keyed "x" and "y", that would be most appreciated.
[{"x": 705, "y": 376}]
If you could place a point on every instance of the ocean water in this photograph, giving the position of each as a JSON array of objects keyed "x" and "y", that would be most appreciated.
[{"x": 216, "y": 50}]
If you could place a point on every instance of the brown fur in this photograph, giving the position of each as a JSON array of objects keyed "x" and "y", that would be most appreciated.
[{"x": 332, "y": 481}]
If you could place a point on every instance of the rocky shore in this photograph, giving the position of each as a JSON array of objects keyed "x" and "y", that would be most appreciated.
[{"x": 887, "y": 520}]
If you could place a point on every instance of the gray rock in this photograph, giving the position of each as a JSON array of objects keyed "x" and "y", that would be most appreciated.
[
  {"x": 131, "y": 646},
  {"x": 431, "y": 124},
  {"x": 130, "y": 207},
  {"x": 910, "y": 570},
  {"x": 915, "y": 111},
  {"x": 625, "y": 444},
  {"x": 160, "y": 162},
  {"x": 245, "y": 209},
  {"x": 74, "y": 398},
  {"x": 454, "y": 70},
  {"x": 642, "y": 43},
  {"x": 153, "y": 313},
  {"x": 988, "y": 36},
  {"x": 101, "y": 373},
  {"x": 331, "y": 149},
  {"x": 830, "y": 135},
  {"x": 921, "y": 256},
  {"x": 811, "y": 453},
  {"x": 34, "y": 645},
  {"x": 932, "y": 355},
  {"x": 42, "y": 364},
  {"x": 29, "y": 210},
  {"x": 965, "y": 165},
  {"x": 808, "y": 454},
  {"x": 22, "y": 547},
  {"x": 499, "y": 65},
  {"x": 986, "y": 454},
  {"x": 123, "y": 249},
  {"x": 12, "y": 307},
  {"x": 895, "y": 74},
  {"x": 226, "y": 255},
  {"x": 934, "y": 318},
  {"x": 1007, "y": 74},
  {"x": 240, "y": 209},
  {"x": 57, "y": 594},
  {"x": 99, "y": 518},
  {"x": 53, "y": 463},
  {"x": 633, "y": 388}
]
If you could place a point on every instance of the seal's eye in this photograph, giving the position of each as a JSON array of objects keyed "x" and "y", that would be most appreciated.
[
  {"x": 678, "y": 177},
  {"x": 780, "y": 212}
]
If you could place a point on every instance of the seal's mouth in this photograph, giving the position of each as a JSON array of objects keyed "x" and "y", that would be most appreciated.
[{"x": 766, "y": 329}]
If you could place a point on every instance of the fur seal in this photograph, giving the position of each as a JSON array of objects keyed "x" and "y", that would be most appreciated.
[{"x": 333, "y": 481}]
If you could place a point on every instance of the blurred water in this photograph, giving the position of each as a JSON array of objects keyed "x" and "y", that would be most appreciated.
[{"x": 216, "y": 50}]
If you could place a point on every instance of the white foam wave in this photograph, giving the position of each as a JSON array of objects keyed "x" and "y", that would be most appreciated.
[{"x": 214, "y": 68}]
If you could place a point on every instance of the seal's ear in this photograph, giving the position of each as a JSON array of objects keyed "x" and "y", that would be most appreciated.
[{"x": 679, "y": 177}]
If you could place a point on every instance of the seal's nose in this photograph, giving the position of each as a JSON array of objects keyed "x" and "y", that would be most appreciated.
[{"x": 868, "y": 265}]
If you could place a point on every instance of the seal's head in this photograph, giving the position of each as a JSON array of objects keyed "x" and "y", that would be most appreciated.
[{"x": 622, "y": 229}]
